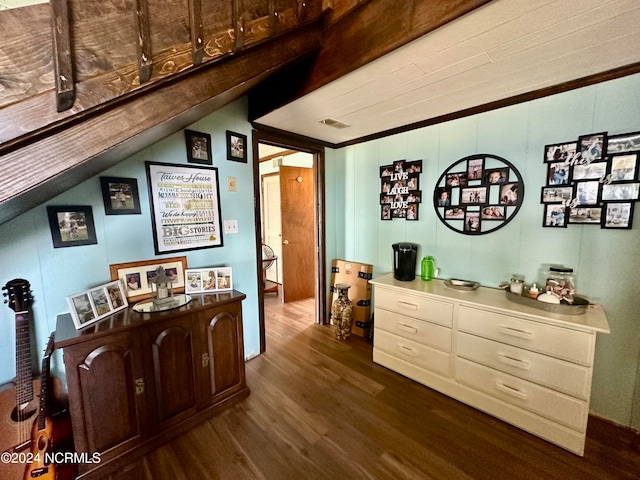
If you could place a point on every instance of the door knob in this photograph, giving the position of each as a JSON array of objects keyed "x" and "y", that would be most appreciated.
[{"x": 285, "y": 242}]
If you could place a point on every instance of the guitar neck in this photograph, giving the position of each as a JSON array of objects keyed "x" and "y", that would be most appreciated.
[{"x": 24, "y": 371}]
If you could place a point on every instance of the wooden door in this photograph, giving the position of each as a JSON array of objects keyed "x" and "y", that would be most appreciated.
[{"x": 298, "y": 233}]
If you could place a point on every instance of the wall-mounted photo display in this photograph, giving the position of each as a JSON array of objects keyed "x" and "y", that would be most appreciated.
[
  {"x": 137, "y": 276},
  {"x": 120, "y": 195},
  {"x": 96, "y": 303},
  {"x": 208, "y": 280},
  {"x": 596, "y": 178},
  {"x": 400, "y": 195},
  {"x": 71, "y": 226},
  {"x": 478, "y": 194},
  {"x": 198, "y": 147},
  {"x": 236, "y": 147}
]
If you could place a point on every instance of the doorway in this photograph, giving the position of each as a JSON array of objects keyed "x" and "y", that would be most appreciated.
[{"x": 289, "y": 201}]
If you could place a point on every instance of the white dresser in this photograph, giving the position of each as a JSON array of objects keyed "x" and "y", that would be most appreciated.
[{"x": 523, "y": 365}]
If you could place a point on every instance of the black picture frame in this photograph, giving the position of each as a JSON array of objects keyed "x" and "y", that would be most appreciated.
[
  {"x": 71, "y": 225},
  {"x": 560, "y": 152},
  {"x": 555, "y": 215},
  {"x": 556, "y": 194},
  {"x": 236, "y": 147},
  {"x": 617, "y": 215},
  {"x": 120, "y": 195},
  {"x": 474, "y": 195},
  {"x": 623, "y": 167},
  {"x": 198, "y": 147},
  {"x": 592, "y": 147},
  {"x": 587, "y": 193},
  {"x": 623, "y": 143},
  {"x": 585, "y": 216},
  {"x": 620, "y": 192}
]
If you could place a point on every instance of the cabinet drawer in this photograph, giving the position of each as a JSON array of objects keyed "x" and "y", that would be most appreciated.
[
  {"x": 415, "y": 306},
  {"x": 566, "y": 377},
  {"x": 414, "y": 329},
  {"x": 553, "y": 405},
  {"x": 559, "y": 342},
  {"x": 412, "y": 352}
]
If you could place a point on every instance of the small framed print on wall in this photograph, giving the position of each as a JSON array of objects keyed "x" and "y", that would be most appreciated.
[
  {"x": 71, "y": 226},
  {"x": 236, "y": 147},
  {"x": 120, "y": 195},
  {"x": 198, "y": 147}
]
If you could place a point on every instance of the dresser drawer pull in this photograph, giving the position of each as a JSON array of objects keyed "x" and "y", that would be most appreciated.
[
  {"x": 407, "y": 328},
  {"x": 514, "y": 362},
  {"x": 514, "y": 392},
  {"x": 407, "y": 305},
  {"x": 515, "y": 332},
  {"x": 407, "y": 350}
]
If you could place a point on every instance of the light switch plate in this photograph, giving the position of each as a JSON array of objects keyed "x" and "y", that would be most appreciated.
[
  {"x": 231, "y": 184},
  {"x": 231, "y": 226}
]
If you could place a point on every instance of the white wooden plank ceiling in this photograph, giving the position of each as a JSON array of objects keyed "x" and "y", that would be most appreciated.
[{"x": 503, "y": 49}]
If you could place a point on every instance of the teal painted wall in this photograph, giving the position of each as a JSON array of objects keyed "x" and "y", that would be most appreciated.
[
  {"x": 26, "y": 248},
  {"x": 607, "y": 262}
]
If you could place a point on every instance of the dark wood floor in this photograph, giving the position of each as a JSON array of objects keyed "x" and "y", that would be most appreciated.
[{"x": 320, "y": 409}]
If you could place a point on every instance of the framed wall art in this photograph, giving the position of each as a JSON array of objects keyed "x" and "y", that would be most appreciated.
[
  {"x": 185, "y": 204},
  {"x": 96, "y": 303},
  {"x": 400, "y": 195},
  {"x": 120, "y": 195},
  {"x": 207, "y": 280},
  {"x": 478, "y": 194},
  {"x": 236, "y": 147},
  {"x": 71, "y": 226},
  {"x": 136, "y": 276},
  {"x": 198, "y": 147}
]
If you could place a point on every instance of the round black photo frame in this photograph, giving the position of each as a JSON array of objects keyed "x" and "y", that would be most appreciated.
[{"x": 478, "y": 194}]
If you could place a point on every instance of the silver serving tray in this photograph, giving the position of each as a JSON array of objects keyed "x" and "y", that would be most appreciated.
[
  {"x": 578, "y": 307},
  {"x": 463, "y": 285}
]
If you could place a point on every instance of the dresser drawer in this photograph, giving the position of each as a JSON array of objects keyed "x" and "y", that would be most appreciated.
[
  {"x": 566, "y": 377},
  {"x": 413, "y": 352},
  {"x": 559, "y": 342},
  {"x": 414, "y": 329},
  {"x": 553, "y": 405},
  {"x": 415, "y": 306}
]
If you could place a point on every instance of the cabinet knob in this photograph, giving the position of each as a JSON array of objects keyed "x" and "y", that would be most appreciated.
[
  {"x": 139, "y": 382},
  {"x": 205, "y": 360}
]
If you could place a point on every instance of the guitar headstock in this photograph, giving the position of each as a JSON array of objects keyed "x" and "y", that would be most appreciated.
[
  {"x": 18, "y": 294},
  {"x": 50, "y": 345}
]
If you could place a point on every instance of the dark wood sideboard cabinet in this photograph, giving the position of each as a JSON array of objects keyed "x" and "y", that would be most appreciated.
[{"x": 137, "y": 380}]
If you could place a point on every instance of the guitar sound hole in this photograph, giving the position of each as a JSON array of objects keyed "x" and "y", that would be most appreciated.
[{"x": 21, "y": 414}]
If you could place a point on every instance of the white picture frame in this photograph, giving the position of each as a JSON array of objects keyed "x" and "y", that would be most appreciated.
[
  {"x": 97, "y": 303},
  {"x": 208, "y": 280}
]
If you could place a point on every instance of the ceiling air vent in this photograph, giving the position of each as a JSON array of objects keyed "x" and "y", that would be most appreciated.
[{"x": 334, "y": 123}]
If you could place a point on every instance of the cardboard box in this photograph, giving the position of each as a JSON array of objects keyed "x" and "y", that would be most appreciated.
[{"x": 357, "y": 275}]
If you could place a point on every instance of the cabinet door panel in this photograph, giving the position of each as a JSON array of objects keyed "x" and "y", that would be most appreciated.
[{"x": 173, "y": 372}]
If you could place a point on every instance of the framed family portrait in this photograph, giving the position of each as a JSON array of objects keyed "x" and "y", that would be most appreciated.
[
  {"x": 198, "y": 147},
  {"x": 136, "y": 277},
  {"x": 554, "y": 215},
  {"x": 71, "y": 226},
  {"x": 207, "y": 280},
  {"x": 96, "y": 303},
  {"x": 618, "y": 215},
  {"x": 236, "y": 147},
  {"x": 120, "y": 195}
]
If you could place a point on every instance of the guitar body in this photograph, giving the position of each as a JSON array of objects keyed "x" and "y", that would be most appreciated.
[
  {"x": 41, "y": 450},
  {"x": 15, "y": 429}
]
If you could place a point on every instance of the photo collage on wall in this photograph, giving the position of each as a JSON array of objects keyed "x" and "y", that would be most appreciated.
[
  {"x": 478, "y": 194},
  {"x": 400, "y": 186},
  {"x": 592, "y": 181}
]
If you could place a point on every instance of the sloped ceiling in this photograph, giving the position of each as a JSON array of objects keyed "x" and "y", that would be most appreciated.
[{"x": 505, "y": 49}]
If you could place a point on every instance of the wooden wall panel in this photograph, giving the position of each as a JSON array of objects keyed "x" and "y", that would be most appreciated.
[
  {"x": 255, "y": 19},
  {"x": 26, "y": 67},
  {"x": 219, "y": 29},
  {"x": 169, "y": 23},
  {"x": 286, "y": 14}
]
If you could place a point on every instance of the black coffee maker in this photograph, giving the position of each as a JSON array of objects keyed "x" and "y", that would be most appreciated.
[{"x": 404, "y": 261}]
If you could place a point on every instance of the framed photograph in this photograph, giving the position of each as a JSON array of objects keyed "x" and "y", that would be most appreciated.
[
  {"x": 620, "y": 191},
  {"x": 618, "y": 215},
  {"x": 472, "y": 222},
  {"x": 412, "y": 212},
  {"x": 185, "y": 205},
  {"x": 473, "y": 196},
  {"x": 623, "y": 167},
  {"x": 385, "y": 212},
  {"x": 456, "y": 179},
  {"x": 556, "y": 194},
  {"x": 492, "y": 212},
  {"x": 454, "y": 213},
  {"x": 626, "y": 142},
  {"x": 443, "y": 196},
  {"x": 509, "y": 194},
  {"x": 560, "y": 152},
  {"x": 207, "y": 280},
  {"x": 236, "y": 147},
  {"x": 198, "y": 147},
  {"x": 496, "y": 176},
  {"x": 587, "y": 193},
  {"x": 137, "y": 276},
  {"x": 558, "y": 174},
  {"x": 590, "y": 171},
  {"x": 71, "y": 226},
  {"x": 475, "y": 168},
  {"x": 120, "y": 195},
  {"x": 92, "y": 305},
  {"x": 591, "y": 147},
  {"x": 586, "y": 215},
  {"x": 554, "y": 216}
]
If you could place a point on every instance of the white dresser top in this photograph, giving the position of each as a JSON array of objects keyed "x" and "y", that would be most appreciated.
[{"x": 593, "y": 320}]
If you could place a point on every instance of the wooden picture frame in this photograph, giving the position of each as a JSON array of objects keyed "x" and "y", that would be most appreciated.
[
  {"x": 136, "y": 276},
  {"x": 208, "y": 280},
  {"x": 198, "y": 147},
  {"x": 185, "y": 206},
  {"x": 120, "y": 195},
  {"x": 236, "y": 147},
  {"x": 72, "y": 226},
  {"x": 96, "y": 303}
]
